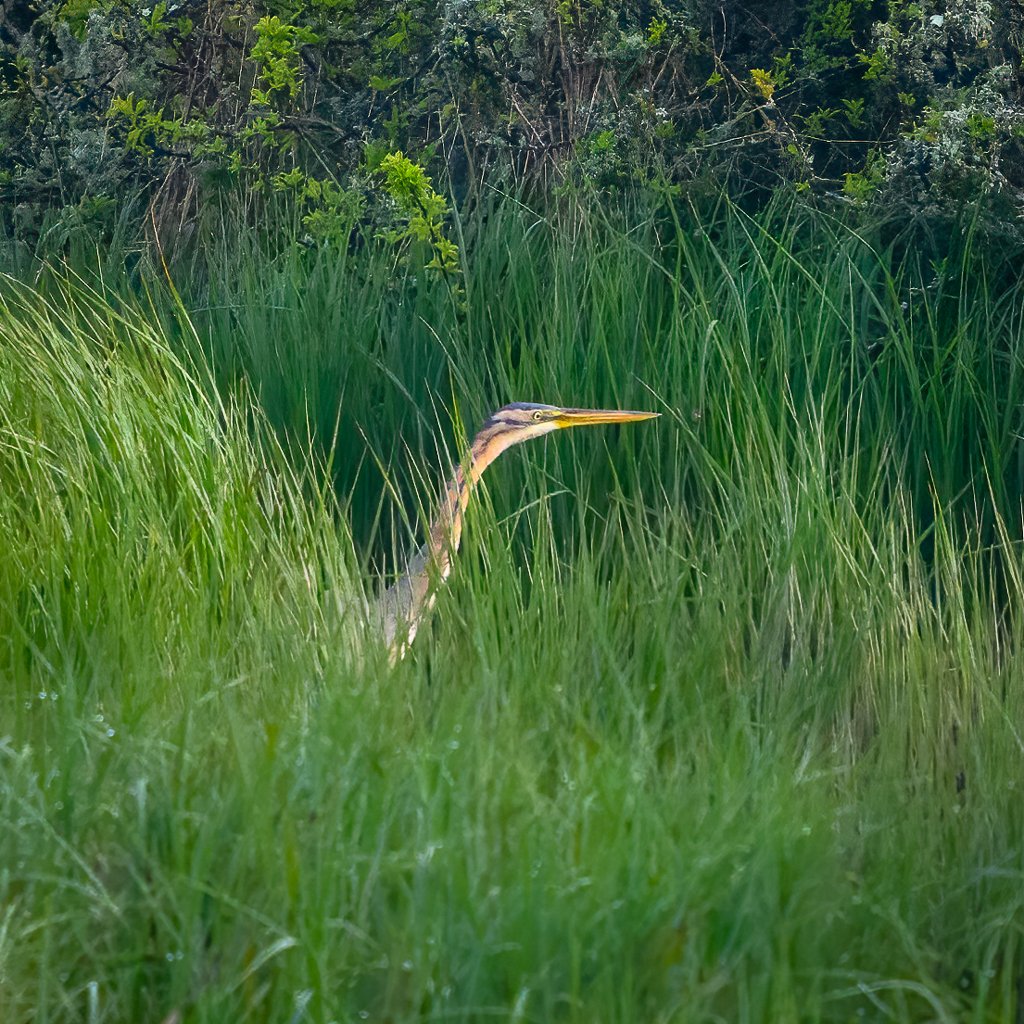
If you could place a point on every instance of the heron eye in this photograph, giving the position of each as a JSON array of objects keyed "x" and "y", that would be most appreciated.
[{"x": 538, "y": 415}]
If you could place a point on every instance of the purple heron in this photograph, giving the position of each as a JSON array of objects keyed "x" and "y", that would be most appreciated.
[{"x": 403, "y": 605}]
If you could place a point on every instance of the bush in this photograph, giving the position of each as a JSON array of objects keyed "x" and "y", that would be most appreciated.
[{"x": 916, "y": 105}]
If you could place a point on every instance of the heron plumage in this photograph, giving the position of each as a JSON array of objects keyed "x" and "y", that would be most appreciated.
[{"x": 402, "y": 606}]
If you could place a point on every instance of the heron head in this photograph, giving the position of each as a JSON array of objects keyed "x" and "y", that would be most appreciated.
[{"x": 522, "y": 421}]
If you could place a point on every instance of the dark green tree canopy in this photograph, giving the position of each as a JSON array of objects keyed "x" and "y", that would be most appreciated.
[{"x": 916, "y": 105}]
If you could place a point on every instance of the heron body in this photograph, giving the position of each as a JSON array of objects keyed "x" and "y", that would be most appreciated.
[{"x": 402, "y": 607}]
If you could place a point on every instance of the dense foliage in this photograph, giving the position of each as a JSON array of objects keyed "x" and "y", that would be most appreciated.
[
  {"x": 918, "y": 104},
  {"x": 718, "y": 719}
]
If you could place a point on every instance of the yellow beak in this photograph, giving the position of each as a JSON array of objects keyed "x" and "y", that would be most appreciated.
[{"x": 586, "y": 417}]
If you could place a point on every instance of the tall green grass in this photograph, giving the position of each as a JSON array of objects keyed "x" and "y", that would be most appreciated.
[{"x": 720, "y": 717}]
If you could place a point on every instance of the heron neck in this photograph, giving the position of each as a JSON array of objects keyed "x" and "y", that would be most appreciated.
[{"x": 446, "y": 530}]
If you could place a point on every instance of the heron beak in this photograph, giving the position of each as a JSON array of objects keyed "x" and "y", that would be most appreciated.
[{"x": 588, "y": 417}]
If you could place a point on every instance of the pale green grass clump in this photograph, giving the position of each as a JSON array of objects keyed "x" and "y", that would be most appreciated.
[{"x": 725, "y": 724}]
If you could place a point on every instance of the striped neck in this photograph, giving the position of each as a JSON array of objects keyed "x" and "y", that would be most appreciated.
[{"x": 445, "y": 532}]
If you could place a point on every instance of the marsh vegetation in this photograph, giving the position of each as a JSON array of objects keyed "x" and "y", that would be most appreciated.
[{"x": 718, "y": 719}]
